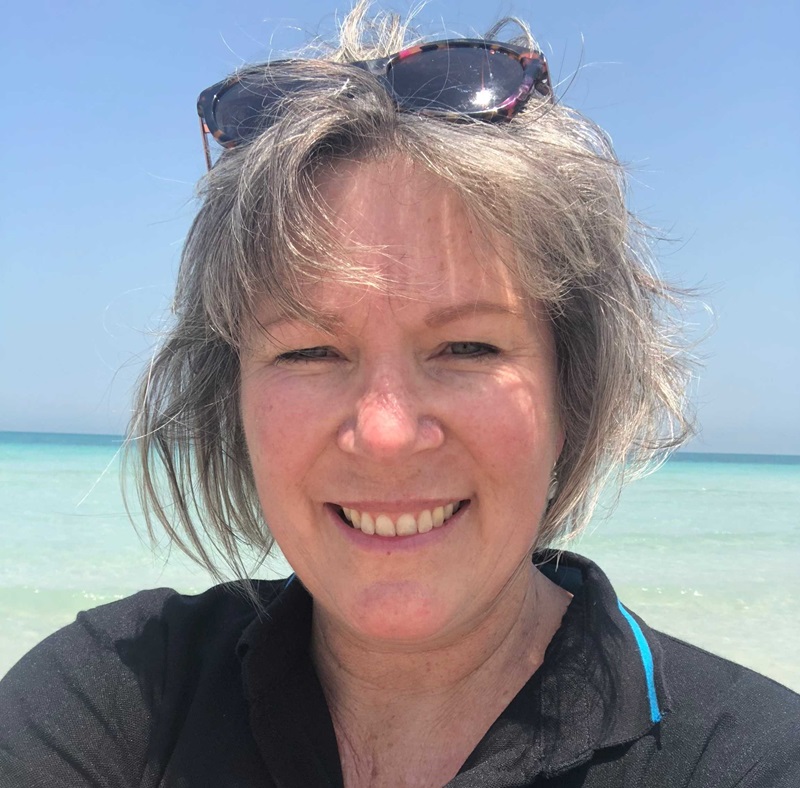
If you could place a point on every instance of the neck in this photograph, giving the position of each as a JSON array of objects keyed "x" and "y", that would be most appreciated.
[{"x": 494, "y": 658}]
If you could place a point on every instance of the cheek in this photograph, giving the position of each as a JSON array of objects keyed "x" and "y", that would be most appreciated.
[
  {"x": 517, "y": 424},
  {"x": 273, "y": 402},
  {"x": 287, "y": 426},
  {"x": 270, "y": 420}
]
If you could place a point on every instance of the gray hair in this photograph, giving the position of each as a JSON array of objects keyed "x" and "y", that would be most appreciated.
[{"x": 548, "y": 180}]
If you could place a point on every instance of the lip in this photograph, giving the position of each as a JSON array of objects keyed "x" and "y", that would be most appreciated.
[
  {"x": 396, "y": 508},
  {"x": 387, "y": 545}
]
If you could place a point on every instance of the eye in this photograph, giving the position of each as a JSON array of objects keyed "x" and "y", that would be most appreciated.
[
  {"x": 470, "y": 350},
  {"x": 307, "y": 354}
]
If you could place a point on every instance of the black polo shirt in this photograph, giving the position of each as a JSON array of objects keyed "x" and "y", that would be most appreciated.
[{"x": 164, "y": 690}]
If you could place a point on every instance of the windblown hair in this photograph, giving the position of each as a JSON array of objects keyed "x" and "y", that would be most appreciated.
[{"x": 548, "y": 180}]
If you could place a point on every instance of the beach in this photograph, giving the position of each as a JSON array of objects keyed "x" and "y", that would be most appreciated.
[{"x": 707, "y": 548}]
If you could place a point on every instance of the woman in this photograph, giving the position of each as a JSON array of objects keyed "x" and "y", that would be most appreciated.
[{"x": 415, "y": 334}]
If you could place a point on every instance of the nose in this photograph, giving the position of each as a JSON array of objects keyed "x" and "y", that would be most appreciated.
[{"x": 388, "y": 420}]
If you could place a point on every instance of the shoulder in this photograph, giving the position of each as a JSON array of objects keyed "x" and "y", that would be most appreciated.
[
  {"x": 672, "y": 714},
  {"x": 703, "y": 685},
  {"x": 142, "y": 629},
  {"x": 89, "y": 696},
  {"x": 729, "y": 719}
]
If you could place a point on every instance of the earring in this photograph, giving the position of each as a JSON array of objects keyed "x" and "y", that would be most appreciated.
[{"x": 553, "y": 487}]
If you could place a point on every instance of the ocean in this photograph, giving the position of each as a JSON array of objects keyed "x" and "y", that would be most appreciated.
[{"x": 707, "y": 548}]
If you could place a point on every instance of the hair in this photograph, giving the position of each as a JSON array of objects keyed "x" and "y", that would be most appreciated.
[{"x": 548, "y": 179}]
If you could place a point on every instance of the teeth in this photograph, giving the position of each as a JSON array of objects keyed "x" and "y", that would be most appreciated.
[
  {"x": 367, "y": 523},
  {"x": 405, "y": 525},
  {"x": 425, "y": 521},
  {"x": 384, "y": 526}
]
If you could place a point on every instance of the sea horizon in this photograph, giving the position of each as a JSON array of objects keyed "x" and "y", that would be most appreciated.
[
  {"x": 705, "y": 548},
  {"x": 108, "y": 438}
]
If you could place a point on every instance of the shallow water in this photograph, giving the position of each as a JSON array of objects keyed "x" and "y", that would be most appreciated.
[{"x": 707, "y": 548}]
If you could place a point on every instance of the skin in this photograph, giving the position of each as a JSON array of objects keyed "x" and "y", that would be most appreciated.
[{"x": 442, "y": 390}]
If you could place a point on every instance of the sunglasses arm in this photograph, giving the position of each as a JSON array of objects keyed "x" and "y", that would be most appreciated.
[{"x": 204, "y": 134}]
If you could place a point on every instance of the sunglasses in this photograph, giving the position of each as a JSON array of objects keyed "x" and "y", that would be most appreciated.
[{"x": 455, "y": 79}]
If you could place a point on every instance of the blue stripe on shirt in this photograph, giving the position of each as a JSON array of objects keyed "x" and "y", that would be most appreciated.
[{"x": 647, "y": 662}]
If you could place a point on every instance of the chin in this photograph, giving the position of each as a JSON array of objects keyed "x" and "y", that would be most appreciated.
[{"x": 399, "y": 612}]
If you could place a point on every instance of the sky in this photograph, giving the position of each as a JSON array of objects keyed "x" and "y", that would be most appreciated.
[{"x": 102, "y": 152}]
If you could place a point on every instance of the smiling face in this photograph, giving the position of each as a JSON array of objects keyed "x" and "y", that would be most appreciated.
[{"x": 429, "y": 412}]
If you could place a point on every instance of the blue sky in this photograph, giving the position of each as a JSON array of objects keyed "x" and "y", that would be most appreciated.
[{"x": 102, "y": 151}]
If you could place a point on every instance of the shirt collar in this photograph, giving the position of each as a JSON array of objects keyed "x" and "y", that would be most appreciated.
[
  {"x": 600, "y": 685},
  {"x": 288, "y": 714},
  {"x": 592, "y": 690}
]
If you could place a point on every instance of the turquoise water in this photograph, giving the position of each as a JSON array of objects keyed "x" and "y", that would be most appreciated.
[{"x": 707, "y": 548}]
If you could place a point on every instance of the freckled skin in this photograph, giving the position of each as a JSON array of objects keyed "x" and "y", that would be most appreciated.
[{"x": 392, "y": 410}]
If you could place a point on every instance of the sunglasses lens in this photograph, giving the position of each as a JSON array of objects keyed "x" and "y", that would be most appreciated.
[
  {"x": 455, "y": 79},
  {"x": 252, "y": 105},
  {"x": 448, "y": 79},
  {"x": 243, "y": 111}
]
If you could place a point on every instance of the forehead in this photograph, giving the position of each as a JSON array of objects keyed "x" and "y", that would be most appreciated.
[{"x": 414, "y": 232}]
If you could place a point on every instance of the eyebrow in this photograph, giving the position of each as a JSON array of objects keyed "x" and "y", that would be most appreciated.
[
  {"x": 331, "y": 322},
  {"x": 448, "y": 314},
  {"x": 326, "y": 321}
]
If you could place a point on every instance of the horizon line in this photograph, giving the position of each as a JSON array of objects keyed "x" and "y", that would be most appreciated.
[{"x": 119, "y": 437}]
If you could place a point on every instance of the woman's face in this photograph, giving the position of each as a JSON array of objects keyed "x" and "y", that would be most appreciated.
[{"x": 436, "y": 402}]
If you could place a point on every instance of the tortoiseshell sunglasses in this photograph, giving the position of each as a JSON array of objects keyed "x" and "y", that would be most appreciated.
[{"x": 454, "y": 79}]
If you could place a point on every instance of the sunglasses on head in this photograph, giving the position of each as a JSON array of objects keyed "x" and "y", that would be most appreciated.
[{"x": 455, "y": 79}]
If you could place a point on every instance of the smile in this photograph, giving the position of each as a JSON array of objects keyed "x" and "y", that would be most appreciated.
[{"x": 405, "y": 524}]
